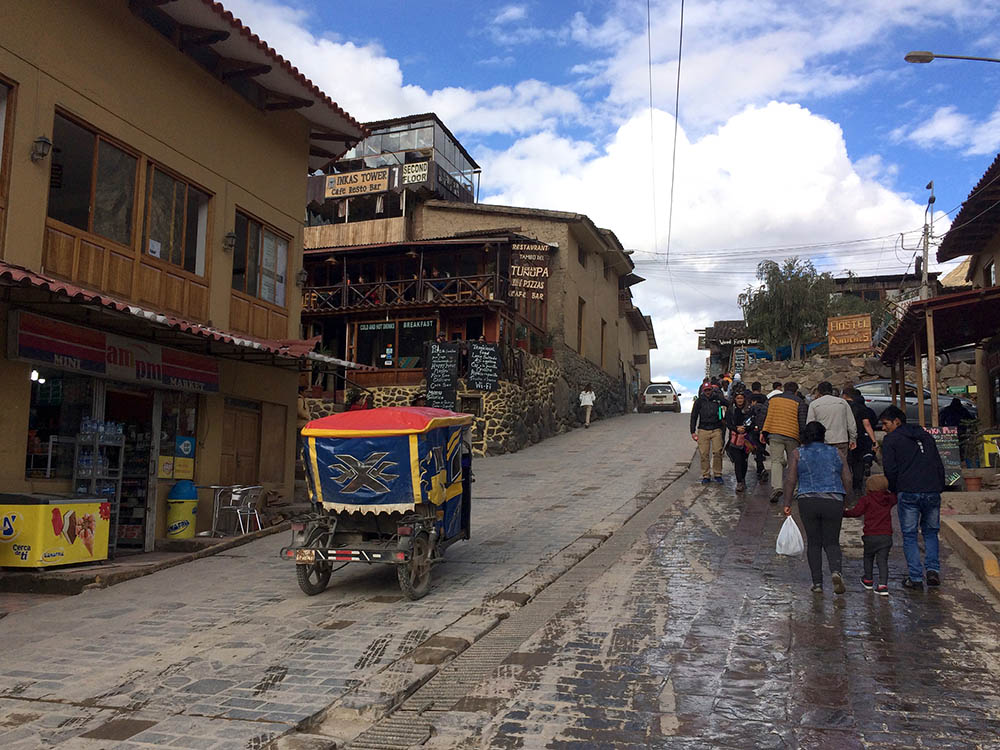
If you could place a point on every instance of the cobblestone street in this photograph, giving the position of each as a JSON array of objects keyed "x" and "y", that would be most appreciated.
[{"x": 226, "y": 652}]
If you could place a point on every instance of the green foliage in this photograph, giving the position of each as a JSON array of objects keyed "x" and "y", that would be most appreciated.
[{"x": 790, "y": 306}]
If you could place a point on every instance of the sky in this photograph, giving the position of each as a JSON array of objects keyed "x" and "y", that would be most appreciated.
[{"x": 799, "y": 129}]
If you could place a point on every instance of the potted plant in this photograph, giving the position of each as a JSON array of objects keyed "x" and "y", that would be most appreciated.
[
  {"x": 521, "y": 337},
  {"x": 547, "y": 346}
]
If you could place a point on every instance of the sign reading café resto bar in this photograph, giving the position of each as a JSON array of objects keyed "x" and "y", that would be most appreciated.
[
  {"x": 357, "y": 183},
  {"x": 529, "y": 270},
  {"x": 45, "y": 341}
]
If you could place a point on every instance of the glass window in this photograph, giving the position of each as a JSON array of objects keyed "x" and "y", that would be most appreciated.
[
  {"x": 425, "y": 138},
  {"x": 376, "y": 342},
  {"x": 59, "y": 402},
  {"x": 874, "y": 389},
  {"x": 413, "y": 334},
  {"x": 94, "y": 195},
  {"x": 178, "y": 433},
  {"x": 990, "y": 274},
  {"x": 373, "y": 145},
  {"x": 408, "y": 140},
  {"x": 176, "y": 221},
  {"x": 260, "y": 261}
]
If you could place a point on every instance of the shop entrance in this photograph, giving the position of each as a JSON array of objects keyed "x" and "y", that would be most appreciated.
[
  {"x": 240, "y": 438},
  {"x": 135, "y": 410}
]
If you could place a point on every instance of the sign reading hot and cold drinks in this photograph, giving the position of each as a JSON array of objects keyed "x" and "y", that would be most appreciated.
[
  {"x": 529, "y": 270},
  {"x": 41, "y": 340},
  {"x": 850, "y": 334}
]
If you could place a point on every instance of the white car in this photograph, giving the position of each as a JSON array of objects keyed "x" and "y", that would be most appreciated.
[{"x": 659, "y": 397}]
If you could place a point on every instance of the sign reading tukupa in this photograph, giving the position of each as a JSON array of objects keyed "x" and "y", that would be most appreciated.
[{"x": 529, "y": 270}]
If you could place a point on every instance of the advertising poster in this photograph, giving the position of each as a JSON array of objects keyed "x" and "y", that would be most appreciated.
[{"x": 165, "y": 467}]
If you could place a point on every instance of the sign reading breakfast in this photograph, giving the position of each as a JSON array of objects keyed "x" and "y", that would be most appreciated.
[{"x": 850, "y": 334}]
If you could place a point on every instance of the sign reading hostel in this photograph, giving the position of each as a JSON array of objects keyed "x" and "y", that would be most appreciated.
[
  {"x": 529, "y": 271},
  {"x": 357, "y": 183},
  {"x": 41, "y": 340},
  {"x": 850, "y": 334}
]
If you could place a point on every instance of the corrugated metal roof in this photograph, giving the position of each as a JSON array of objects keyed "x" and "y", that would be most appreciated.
[{"x": 12, "y": 275}]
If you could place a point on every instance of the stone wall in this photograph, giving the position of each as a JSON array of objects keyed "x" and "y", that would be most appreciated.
[
  {"x": 844, "y": 371},
  {"x": 515, "y": 416}
]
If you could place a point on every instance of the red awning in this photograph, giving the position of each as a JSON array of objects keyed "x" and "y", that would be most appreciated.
[
  {"x": 18, "y": 276},
  {"x": 389, "y": 420}
]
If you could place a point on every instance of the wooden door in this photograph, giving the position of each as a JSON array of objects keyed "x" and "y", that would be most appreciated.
[{"x": 240, "y": 441}]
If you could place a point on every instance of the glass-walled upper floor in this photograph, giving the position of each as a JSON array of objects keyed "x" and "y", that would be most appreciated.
[{"x": 409, "y": 142}]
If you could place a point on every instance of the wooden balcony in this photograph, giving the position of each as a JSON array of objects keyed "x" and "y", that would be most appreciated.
[
  {"x": 444, "y": 291},
  {"x": 357, "y": 233}
]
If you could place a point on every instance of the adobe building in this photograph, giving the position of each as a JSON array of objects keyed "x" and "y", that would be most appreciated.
[
  {"x": 398, "y": 251},
  {"x": 150, "y": 249}
]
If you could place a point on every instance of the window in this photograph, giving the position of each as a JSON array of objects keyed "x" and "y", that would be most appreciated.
[
  {"x": 580, "y": 309},
  {"x": 581, "y": 256},
  {"x": 391, "y": 344},
  {"x": 59, "y": 403},
  {"x": 92, "y": 182},
  {"x": 990, "y": 274},
  {"x": 260, "y": 260},
  {"x": 178, "y": 432},
  {"x": 874, "y": 389},
  {"x": 176, "y": 221},
  {"x": 413, "y": 334},
  {"x": 604, "y": 334},
  {"x": 376, "y": 344}
]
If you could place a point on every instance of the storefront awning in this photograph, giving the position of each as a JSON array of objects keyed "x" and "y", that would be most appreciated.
[
  {"x": 959, "y": 319},
  {"x": 27, "y": 288}
]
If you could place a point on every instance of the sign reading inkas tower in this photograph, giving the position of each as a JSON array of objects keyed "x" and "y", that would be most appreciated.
[
  {"x": 529, "y": 270},
  {"x": 850, "y": 334}
]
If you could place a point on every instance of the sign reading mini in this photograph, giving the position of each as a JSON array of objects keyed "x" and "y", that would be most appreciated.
[
  {"x": 529, "y": 271},
  {"x": 850, "y": 334},
  {"x": 45, "y": 341}
]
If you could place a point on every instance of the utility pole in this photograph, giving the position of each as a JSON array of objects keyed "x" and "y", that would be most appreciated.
[{"x": 925, "y": 288}]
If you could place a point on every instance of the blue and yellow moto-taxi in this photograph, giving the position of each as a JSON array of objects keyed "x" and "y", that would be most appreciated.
[{"x": 389, "y": 485}]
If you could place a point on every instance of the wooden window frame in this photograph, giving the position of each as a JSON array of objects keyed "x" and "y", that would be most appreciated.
[
  {"x": 256, "y": 298},
  {"x": 149, "y": 167},
  {"x": 100, "y": 135},
  {"x": 354, "y": 331},
  {"x": 6, "y": 151}
]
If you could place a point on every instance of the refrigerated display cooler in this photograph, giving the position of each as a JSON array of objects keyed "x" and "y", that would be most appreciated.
[{"x": 41, "y": 531}]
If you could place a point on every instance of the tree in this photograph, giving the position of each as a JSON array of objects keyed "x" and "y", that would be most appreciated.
[{"x": 789, "y": 306}]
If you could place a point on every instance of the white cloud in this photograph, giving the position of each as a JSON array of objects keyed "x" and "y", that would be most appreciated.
[
  {"x": 949, "y": 127},
  {"x": 510, "y": 14}
]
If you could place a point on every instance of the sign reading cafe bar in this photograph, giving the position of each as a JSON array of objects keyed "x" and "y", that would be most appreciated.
[
  {"x": 529, "y": 270},
  {"x": 40, "y": 340}
]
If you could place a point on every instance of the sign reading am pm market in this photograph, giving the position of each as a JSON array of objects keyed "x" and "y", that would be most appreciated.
[{"x": 850, "y": 334}]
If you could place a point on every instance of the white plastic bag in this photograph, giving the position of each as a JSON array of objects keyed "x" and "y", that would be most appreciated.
[{"x": 789, "y": 539}]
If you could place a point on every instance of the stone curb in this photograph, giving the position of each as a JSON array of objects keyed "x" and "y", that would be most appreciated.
[
  {"x": 360, "y": 709},
  {"x": 45, "y": 583},
  {"x": 983, "y": 562}
]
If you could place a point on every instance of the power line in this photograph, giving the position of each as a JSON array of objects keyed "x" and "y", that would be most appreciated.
[{"x": 677, "y": 118}]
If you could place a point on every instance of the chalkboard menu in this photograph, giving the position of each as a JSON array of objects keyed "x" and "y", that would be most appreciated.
[
  {"x": 442, "y": 375},
  {"x": 946, "y": 439},
  {"x": 484, "y": 366}
]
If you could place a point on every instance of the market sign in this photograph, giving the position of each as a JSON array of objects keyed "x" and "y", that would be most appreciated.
[
  {"x": 37, "y": 339},
  {"x": 357, "y": 183},
  {"x": 850, "y": 334},
  {"x": 529, "y": 270}
]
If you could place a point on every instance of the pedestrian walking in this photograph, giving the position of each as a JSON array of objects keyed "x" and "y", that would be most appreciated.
[
  {"x": 915, "y": 472},
  {"x": 783, "y": 423},
  {"x": 956, "y": 415},
  {"x": 776, "y": 389},
  {"x": 818, "y": 479},
  {"x": 739, "y": 422},
  {"x": 861, "y": 458},
  {"x": 758, "y": 413},
  {"x": 707, "y": 429},
  {"x": 876, "y": 536},
  {"x": 587, "y": 398},
  {"x": 836, "y": 416}
]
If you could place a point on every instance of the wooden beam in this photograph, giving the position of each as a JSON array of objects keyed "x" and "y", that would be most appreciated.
[
  {"x": 932, "y": 366},
  {"x": 917, "y": 356},
  {"x": 197, "y": 36},
  {"x": 333, "y": 136},
  {"x": 317, "y": 151},
  {"x": 275, "y": 101},
  {"x": 228, "y": 68}
]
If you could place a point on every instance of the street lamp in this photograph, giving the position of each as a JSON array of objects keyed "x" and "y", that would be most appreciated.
[{"x": 922, "y": 56}]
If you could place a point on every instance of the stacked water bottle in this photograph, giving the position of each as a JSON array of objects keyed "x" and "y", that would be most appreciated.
[{"x": 110, "y": 432}]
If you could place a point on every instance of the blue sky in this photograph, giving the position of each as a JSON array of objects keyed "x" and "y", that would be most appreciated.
[{"x": 801, "y": 128}]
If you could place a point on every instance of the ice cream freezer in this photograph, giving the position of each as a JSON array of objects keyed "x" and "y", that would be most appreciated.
[{"x": 41, "y": 531}]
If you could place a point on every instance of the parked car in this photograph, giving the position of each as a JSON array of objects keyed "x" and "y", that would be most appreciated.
[
  {"x": 877, "y": 395},
  {"x": 659, "y": 397}
]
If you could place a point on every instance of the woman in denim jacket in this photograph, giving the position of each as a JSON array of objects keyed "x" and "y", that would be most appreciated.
[{"x": 817, "y": 478}]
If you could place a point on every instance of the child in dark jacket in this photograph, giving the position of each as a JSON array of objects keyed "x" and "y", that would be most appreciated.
[{"x": 876, "y": 507}]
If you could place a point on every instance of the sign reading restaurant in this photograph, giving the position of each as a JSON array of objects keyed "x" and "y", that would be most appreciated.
[
  {"x": 849, "y": 334},
  {"x": 357, "y": 183},
  {"x": 40, "y": 340},
  {"x": 529, "y": 270}
]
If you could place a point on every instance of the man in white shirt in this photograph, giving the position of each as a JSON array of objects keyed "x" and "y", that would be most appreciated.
[
  {"x": 836, "y": 416},
  {"x": 775, "y": 389},
  {"x": 587, "y": 398}
]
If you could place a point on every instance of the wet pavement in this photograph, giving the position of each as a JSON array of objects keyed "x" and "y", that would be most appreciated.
[{"x": 701, "y": 637}]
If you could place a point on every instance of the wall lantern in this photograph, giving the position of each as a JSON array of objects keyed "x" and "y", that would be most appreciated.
[
  {"x": 302, "y": 278},
  {"x": 40, "y": 148},
  {"x": 229, "y": 242}
]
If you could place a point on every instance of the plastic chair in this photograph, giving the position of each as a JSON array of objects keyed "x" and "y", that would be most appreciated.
[{"x": 243, "y": 501}]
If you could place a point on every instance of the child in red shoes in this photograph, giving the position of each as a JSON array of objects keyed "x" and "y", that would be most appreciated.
[{"x": 876, "y": 507}]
